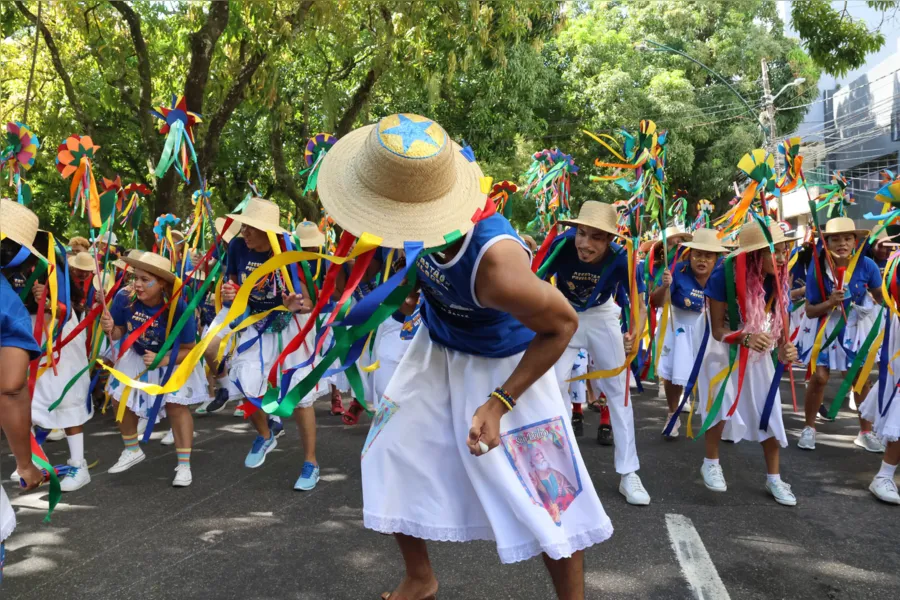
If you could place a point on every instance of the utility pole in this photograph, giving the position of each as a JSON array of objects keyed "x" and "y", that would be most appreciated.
[{"x": 770, "y": 135}]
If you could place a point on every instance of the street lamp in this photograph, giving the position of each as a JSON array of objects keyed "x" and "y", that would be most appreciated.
[{"x": 794, "y": 83}]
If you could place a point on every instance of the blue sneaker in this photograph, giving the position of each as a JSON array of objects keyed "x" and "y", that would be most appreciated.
[
  {"x": 309, "y": 477},
  {"x": 276, "y": 427},
  {"x": 261, "y": 447}
]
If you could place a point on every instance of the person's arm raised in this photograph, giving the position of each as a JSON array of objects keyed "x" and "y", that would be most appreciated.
[{"x": 505, "y": 282}]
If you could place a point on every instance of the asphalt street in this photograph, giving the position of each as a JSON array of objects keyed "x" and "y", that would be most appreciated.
[{"x": 245, "y": 534}]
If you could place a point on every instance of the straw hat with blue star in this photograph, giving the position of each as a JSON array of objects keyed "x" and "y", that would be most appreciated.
[{"x": 402, "y": 179}]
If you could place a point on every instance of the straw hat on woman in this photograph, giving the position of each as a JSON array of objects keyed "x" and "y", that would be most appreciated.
[
  {"x": 19, "y": 225},
  {"x": 404, "y": 180},
  {"x": 309, "y": 235},
  {"x": 152, "y": 285}
]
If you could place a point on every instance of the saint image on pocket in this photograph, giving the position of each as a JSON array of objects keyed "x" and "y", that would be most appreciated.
[{"x": 542, "y": 456}]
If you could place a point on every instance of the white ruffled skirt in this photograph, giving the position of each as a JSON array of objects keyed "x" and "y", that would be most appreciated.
[
  {"x": 682, "y": 340},
  {"x": 131, "y": 363},
  {"x": 886, "y": 415},
  {"x": 76, "y": 407}
]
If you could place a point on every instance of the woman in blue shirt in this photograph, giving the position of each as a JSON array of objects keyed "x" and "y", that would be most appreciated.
[
  {"x": 860, "y": 299},
  {"x": 684, "y": 333},
  {"x": 153, "y": 286},
  {"x": 762, "y": 329}
]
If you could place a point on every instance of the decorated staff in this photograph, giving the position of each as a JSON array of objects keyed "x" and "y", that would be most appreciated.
[
  {"x": 18, "y": 154},
  {"x": 705, "y": 209},
  {"x": 547, "y": 181},
  {"x": 500, "y": 193},
  {"x": 178, "y": 127},
  {"x": 759, "y": 167},
  {"x": 74, "y": 159},
  {"x": 316, "y": 149},
  {"x": 835, "y": 199}
]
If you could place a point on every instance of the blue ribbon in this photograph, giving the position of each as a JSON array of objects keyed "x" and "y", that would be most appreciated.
[
  {"x": 692, "y": 381},
  {"x": 770, "y": 397}
]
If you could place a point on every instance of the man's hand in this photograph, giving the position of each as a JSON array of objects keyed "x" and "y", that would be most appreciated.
[
  {"x": 37, "y": 290},
  {"x": 106, "y": 322},
  {"x": 409, "y": 305},
  {"x": 666, "y": 278},
  {"x": 296, "y": 303},
  {"x": 30, "y": 474},
  {"x": 229, "y": 291},
  {"x": 486, "y": 426},
  {"x": 628, "y": 342},
  {"x": 787, "y": 353}
]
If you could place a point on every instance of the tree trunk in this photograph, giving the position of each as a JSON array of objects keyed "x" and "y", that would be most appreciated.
[
  {"x": 360, "y": 97},
  {"x": 284, "y": 179}
]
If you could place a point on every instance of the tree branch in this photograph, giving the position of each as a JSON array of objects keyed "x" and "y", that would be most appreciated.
[{"x": 203, "y": 44}]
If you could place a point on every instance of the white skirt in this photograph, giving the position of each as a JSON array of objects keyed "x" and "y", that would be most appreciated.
[
  {"x": 132, "y": 364},
  {"x": 76, "y": 408},
  {"x": 833, "y": 355},
  {"x": 887, "y": 425},
  {"x": 744, "y": 423},
  {"x": 683, "y": 337},
  {"x": 860, "y": 322},
  {"x": 389, "y": 351},
  {"x": 249, "y": 370},
  {"x": 420, "y": 480}
]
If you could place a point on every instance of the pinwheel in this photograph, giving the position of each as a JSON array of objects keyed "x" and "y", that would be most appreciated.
[
  {"x": 759, "y": 167},
  {"x": 19, "y": 150},
  {"x": 889, "y": 192},
  {"x": 178, "y": 127},
  {"x": 500, "y": 193},
  {"x": 793, "y": 164},
  {"x": 74, "y": 159},
  {"x": 835, "y": 197},
  {"x": 112, "y": 197},
  {"x": 131, "y": 213},
  {"x": 162, "y": 224},
  {"x": 705, "y": 208},
  {"x": 548, "y": 180},
  {"x": 678, "y": 209},
  {"x": 316, "y": 148}
]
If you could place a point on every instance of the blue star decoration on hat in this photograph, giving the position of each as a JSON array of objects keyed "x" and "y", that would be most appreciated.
[{"x": 412, "y": 136}]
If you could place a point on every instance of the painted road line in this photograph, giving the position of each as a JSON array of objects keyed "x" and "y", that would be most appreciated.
[{"x": 696, "y": 565}]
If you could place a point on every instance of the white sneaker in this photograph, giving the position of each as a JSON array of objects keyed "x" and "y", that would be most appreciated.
[
  {"x": 807, "y": 439},
  {"x": 127, "y": 459},
  {"x": 869, "y": 442},
  {"x": 885, "y": 490},
  {"x": 168, "y": 439},
  {"x": 661, "y": 390},
  {"x": 77, "y": 477},
  {"x": 239, "y": 412},
  {"x": 631, "y": 487},
  {"x": 713, "y": 477},
  {"x": 853, "y": 405},
  {"x": 14, "y": 476},
  {"x": 56, "y": 435},
  {"x": 781, "y": 490},
  {"x": 182, "y": 476},
  {"x": 675, "y": 428},
  {"x": 202, "y": 409},
  {"x": 142, "y": 426}
]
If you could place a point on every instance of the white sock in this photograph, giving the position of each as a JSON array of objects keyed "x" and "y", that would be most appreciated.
[
  {"x": 887, "y": 471},
  {"x": 710, "y": 461},
  {"x": 76, "y": 446},
  {"x": 773, "y": 478}
]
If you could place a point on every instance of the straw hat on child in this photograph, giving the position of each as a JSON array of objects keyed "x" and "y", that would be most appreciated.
[
  {"x": 598, "y": 215},
  {"x": 309, "y": 235},
  {"x": 402, "y": 179},
  {"x": 261, "y": 214},
  {"x": 82, "y": 261},
  {"x": 19, "y": 225},
  {"x": 843, "y": 225},
  {"x": 673, "y": 234},
  {"x": 156, "y": 265},
  {"x": 751, "y": 237},
  {"x": 706, "y": 240}
]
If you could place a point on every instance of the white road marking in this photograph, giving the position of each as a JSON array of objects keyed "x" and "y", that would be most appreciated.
[{"x": 696, "y": 565}]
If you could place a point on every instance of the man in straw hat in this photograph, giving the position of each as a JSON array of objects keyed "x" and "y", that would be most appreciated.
[
  {"x": 18, "y": 226},
  {"x": 477, "y": 375},
  {"x": 683, "y": 287},
  {"x": 589, "y": 270},
  {"x": 259, "y": 346},
  {"x": 860, "y": 299}
]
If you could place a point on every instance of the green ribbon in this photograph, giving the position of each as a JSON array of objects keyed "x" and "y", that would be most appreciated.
[
  {"x": 55, "y": 490},
  {"x": 70, "y": 384},
  {"x": 861, "y": 356}
]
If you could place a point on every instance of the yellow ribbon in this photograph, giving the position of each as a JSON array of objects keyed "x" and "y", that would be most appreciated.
[
  {"x": 276, "y": 251},
  {"x": 365, "y": 243}
]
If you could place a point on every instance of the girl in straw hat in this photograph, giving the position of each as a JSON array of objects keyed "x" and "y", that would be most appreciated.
[
  {"x": 68, "y": 374},
  {"x": 589, "y": 269},
  {"x": 828, "y": 298},
  {"x": 470, "y": 440},
  {"x": 258, "y": 346},
  {"x": 153, "y": 286},
  {"x": 682, "y": 339},
  {"x": 763, "y": 326}
]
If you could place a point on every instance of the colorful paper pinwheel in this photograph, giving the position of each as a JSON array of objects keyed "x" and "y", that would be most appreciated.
[
  {"x": 835, "y": 198},
  {"x": 548, "y": 180},
  {"x": 130, "y": 216},
  {"x": 74, "y": 159},
  {"x": 793, "y": 164},
  {"x": 19, "y": 150},
  {"x": 759, "y": 167},
  {"x": 889, "y": 192},
  {"x": 316, "y": 148},
  {"x": 178, "y": 127},
  {"x": 500, "y": 193},
  {"x": 162, "y": 224}
]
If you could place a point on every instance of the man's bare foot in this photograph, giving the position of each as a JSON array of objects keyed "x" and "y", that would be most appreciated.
[{"x": 413, "y": 589}]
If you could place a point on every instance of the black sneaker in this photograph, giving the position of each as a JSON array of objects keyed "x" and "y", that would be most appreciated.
[
  {"x": 218, "y": 402},
  {"x": 578, "y": 424},
  {"x": 823, "y": 414},
  {"x": 605, "y": 434}
]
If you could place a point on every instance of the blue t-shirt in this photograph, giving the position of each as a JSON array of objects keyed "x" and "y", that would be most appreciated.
[
  {"x": 241, "y": 262},
  {"x": 15, "y": 322},
  {"x": 686, "y": 293},
  {"x": 715, "y": 286},
  {"x": 208, "y": 308},
  {"x": 798, "y": 275},
  {"x": 450, "y": 310},
  {"x": 866, "y": 276},
  {"x": 578, "y": 280},
  {"x": 132, "y": 315}
]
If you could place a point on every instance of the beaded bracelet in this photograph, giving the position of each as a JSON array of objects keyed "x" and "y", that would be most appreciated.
[{"x": 504, "y": 397}]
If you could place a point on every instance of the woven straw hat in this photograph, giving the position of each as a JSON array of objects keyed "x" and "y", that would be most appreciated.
[
  {"x": 707, "y": 240},
  {"x": 260, "y": 213},
  {"x": 18, "y": 224},
  {"x": 156, "y": 265},
  {"x": 843, "y": 225},
  {"x": 679, "y": 236},
  {"x": 83, "y": 261},
  {"x": 751, "y": 237},
  {"x": 402, "y": 179},
  {"x": 109, "y": 281},
  {"x": 233, "y": 230},
  {"x": 598, "y": 215},
  {"x": 109, "y": 238},
  {"x": 309, "y": 235}
]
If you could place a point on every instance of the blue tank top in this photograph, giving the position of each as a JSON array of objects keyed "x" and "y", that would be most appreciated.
[{"x": 451, "y": 312}]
